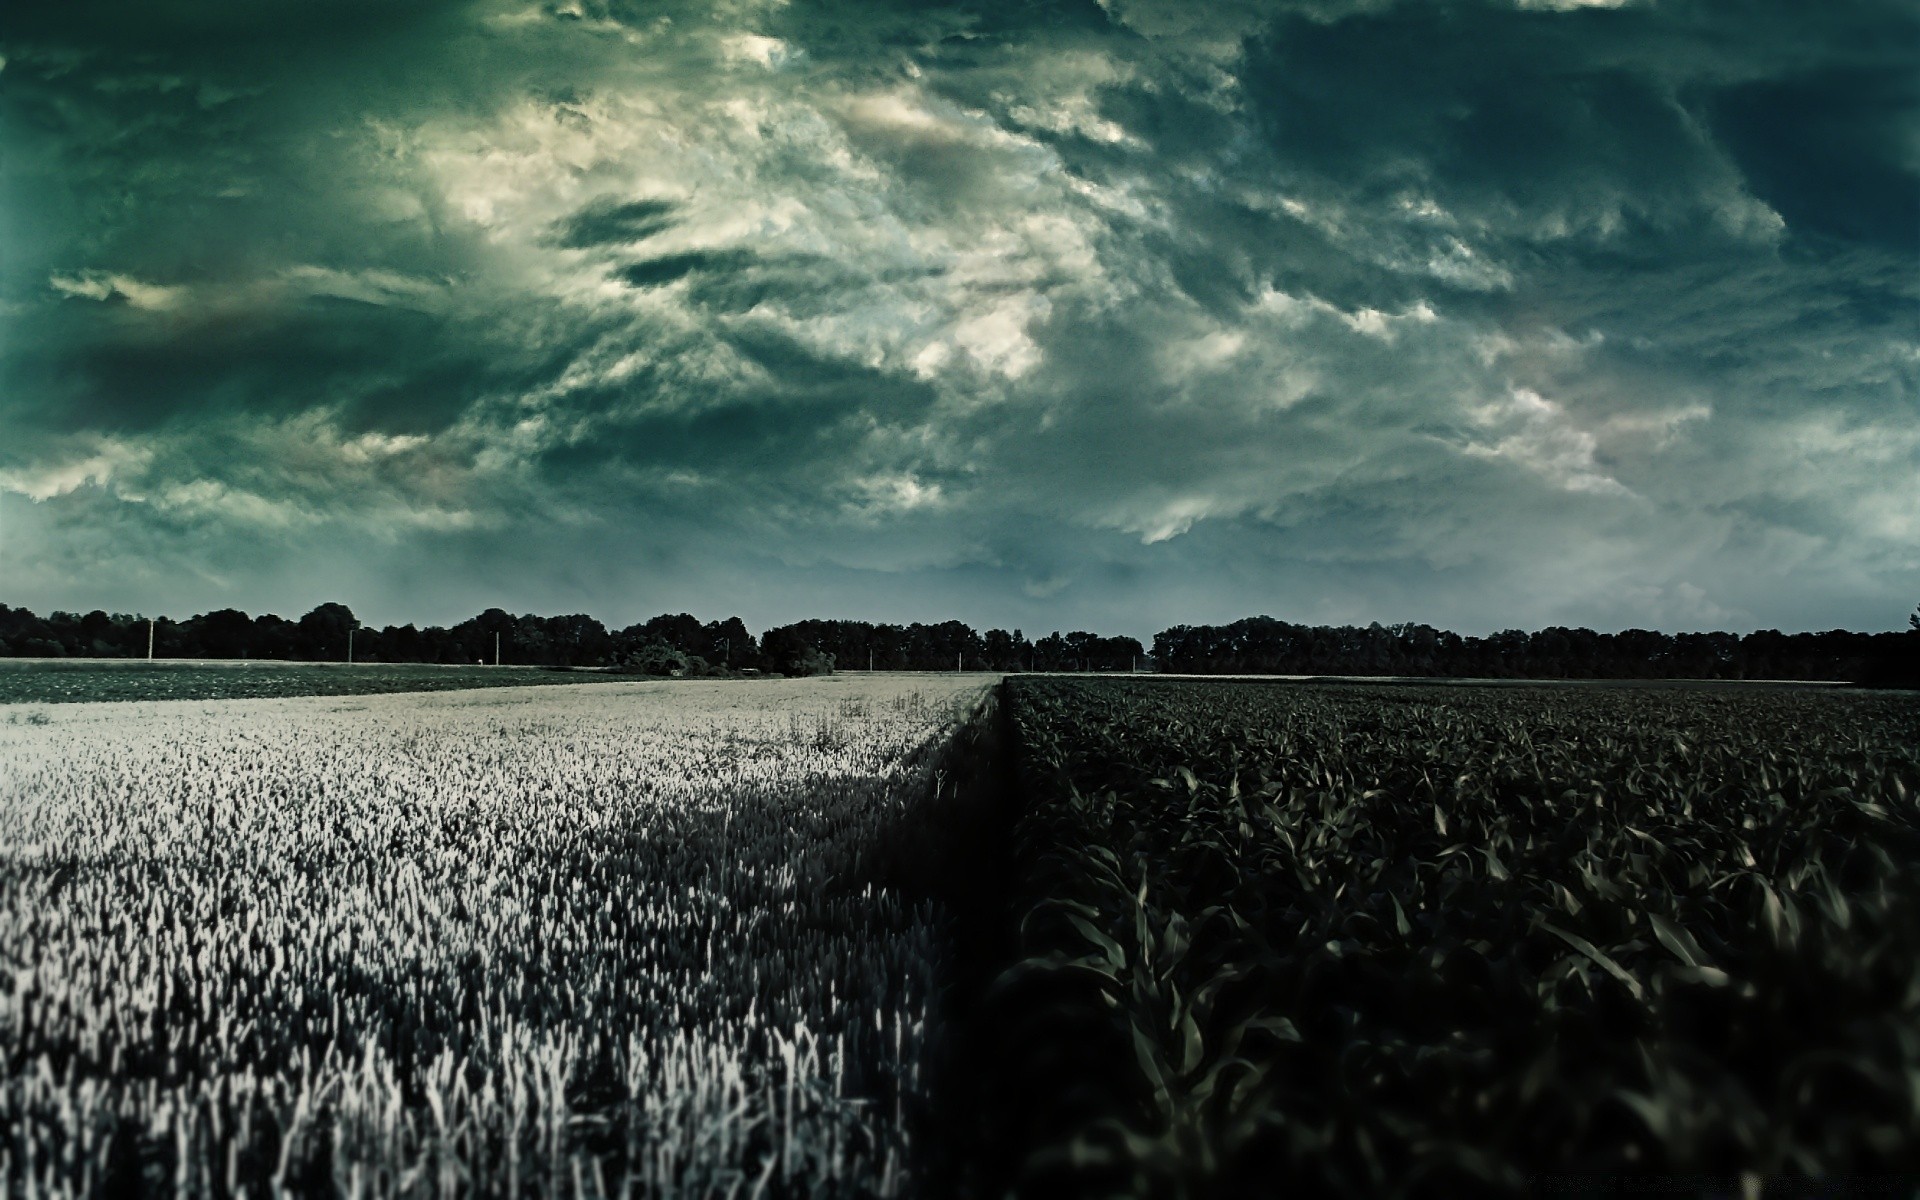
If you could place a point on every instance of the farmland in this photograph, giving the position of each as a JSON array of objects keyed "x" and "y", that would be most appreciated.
[
  {"x": 1377, "y": 940},
  {"x": 914, "y": 934},
  {"x": 636, "y": 938},
  {"x": 70, "y": 681}
]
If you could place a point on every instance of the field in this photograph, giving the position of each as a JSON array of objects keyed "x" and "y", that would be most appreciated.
[
  {"x": 70, "y": 681},
  {"x": 632, "y": 939},
  {"x": 1378, "y": 940},
  {"x": 919, "y": 935}
]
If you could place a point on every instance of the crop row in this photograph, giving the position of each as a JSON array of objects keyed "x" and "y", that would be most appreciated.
[{"x": 1378, "y": 940}]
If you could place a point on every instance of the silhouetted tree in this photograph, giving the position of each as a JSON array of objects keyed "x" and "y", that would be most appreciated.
[
  {"x": 728, "y": 642},
  {"x": 225, "y": 633},
  {"x": 1260, "y": 645},
  {"x": 785, "y": 652},
  {"x": 656, "y": 658},
  {"x": 322, "y": 634},
  {"x": 473, "y": 640},
  {"x": 1898, "y": 665},
  {"x": 274, "y": 637},
  {"x": 1005, "y": 651}
]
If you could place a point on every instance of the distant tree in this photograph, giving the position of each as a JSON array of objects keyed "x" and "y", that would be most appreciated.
[
  {"x": 395, "y": 643},
  {"x": 224, "y": 633},
  {"x": 1005, "y": 651},
  {"x": 474, "y": 639},
  {"x": 950, "y": 643},
  {"x": 438, "y": 644},
  {"x": 581, "y": 640},
  {"x": 1122, "y": 653},
  {"x": 725, "y": 642},
  {"x": 101, "y": 635},
  {"x": 322, "y": 633},
  {"x": 27, "y": 636},
  {"x": 655, "y": 658},
  {"x": 728, "y": 642},
  {"x": 1893, "y": 659},
  {"x": 843, "y": 641},
  {"x": 67, "y": 631},
  {"x": 786, "y": 652},
  {"x": 682, "y": 631}
]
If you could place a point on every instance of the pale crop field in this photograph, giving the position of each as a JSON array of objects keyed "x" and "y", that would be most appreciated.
[{"x": 596, "y": 940}]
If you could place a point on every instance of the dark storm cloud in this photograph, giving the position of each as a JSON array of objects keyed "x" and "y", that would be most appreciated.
[
  {"x": 655, "y": 272},
  {"x": 1831, "y": 151},
  {"x": 612, "y": 222},
  {"x": 1484, "y": 313}
]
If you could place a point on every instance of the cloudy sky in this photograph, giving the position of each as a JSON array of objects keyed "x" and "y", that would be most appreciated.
[{"x": 1039, "y": 313}]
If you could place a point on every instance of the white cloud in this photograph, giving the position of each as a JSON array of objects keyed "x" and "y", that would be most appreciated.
[
  {"x": 107, "y": 461},
  {"x": 1543, "y": 441},
  {"x": 769, "y": 53},
  {"x": 210, "y": 498},
  {"x": 102, "y": 285},
  {"x": 897, "y": 493},
  {"x": 372, "y": 286},
  {"x": 997, "y": 339},
  {"x": 1173, "y": 519},
  {"x": 1049, "y": 585},
  {"x": 1384, "y": 326},
  {"x": 1574, "y": 5}
]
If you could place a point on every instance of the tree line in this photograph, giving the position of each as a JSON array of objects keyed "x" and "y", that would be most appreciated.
[
  {"x": 672, "y": 643},
  {"x": 1264, "y": 645},
  {"x": 951, "y": 645},
  {"x": 679, "y": 644}
]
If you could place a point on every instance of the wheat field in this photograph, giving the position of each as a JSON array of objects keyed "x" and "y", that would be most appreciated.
[{"x": 599, "y": 940}]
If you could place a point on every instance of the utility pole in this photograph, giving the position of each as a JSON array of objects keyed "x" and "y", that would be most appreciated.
[
  {"x": 496, "y": 648},
  {"x": 350, "y": 632},
  {"x": 869, "y": 660},
  {"x": 149, "y": 639},
  {"x": 956, "y": 662}
]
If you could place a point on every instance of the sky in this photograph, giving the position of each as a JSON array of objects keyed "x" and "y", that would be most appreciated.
[{"x": 1051, "y": 315}]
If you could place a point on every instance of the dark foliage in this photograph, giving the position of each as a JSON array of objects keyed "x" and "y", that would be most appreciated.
[
  {"x": 952, "y": 645},
  {"x": 1265, "y": 646},
  {"x": 1358, "y": 940},
  {"x": 1255, "y": 645}
]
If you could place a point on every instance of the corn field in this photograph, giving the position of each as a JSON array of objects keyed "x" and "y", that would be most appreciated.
[
  {"x": 590, "y": 941},
  {"x": 1415, "y": 941}
]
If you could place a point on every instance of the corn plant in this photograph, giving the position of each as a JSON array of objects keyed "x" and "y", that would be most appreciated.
[{"x": 1379, "y": 940}]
